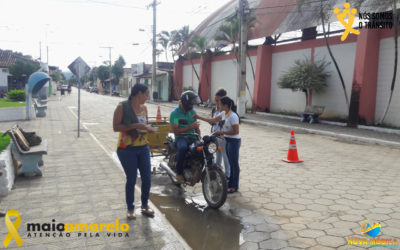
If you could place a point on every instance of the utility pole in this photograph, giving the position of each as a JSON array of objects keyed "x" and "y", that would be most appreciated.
[
  {"x": 109, "y": 54},
  {"x": 154, "y": 68},
  {"x": 241, "y": 97}
]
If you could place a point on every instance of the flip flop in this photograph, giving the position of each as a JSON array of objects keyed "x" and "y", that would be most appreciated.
[
  {"x": 131, "y": 215},
  {"x": 148, "y": 211},
  {"x": 232, "y": 190}
]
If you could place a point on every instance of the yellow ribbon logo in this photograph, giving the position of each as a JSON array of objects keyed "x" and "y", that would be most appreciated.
[
  {"x": 348, "y": 26},
  {"x": 12, "y": 228}
]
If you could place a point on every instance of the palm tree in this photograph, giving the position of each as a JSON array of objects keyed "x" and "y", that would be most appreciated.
[
  {"x": 200, "y": 44},
  {"x": 164, "y": 39},
  {"x": 178, "y": 39},
  {"x": 229, "y": 34}
]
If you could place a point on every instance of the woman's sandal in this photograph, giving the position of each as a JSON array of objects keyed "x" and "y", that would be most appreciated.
[
  {"x": 232, "y": 190},
  {"x": 147, "y": 211},
  {"x": 131, "y": 215}
]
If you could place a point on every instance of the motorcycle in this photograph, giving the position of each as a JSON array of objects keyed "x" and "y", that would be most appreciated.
[{"x": 199, "y": 165}]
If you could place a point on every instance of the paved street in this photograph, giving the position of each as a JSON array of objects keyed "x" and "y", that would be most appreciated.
[
  {"x": 317, "y": 204},
  {"x": 80, "y": 184}
]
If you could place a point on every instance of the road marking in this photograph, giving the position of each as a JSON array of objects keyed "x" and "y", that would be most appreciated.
[{"x": 115, "y": 159}]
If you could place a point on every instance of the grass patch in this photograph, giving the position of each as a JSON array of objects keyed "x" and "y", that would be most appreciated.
[
  {"x": 5, "y": 103},
  {"x": 4, "y": 141}
]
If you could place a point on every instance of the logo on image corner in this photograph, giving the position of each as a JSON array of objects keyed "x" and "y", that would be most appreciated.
[
  {"x": 12, "y": 228},
  {"x": 371, "y": 231},
  {"x": 341, "y": 16}
]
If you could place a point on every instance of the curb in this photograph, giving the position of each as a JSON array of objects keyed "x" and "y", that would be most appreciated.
[
  {"x": 345, "y": 137},
  {"x": 342, "y": 124}
]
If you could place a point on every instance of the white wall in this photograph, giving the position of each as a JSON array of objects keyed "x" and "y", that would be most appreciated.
[
  {"x": 13, "y": 114},
  {"x": 286, "y": 100},
  {"x": 3, "y": 78},
  {"x": 190, "y": 78},
  {"x": 333, "y": 97},
  {"x": 385, "y": 75},
  {"x": 223, "y": 75},
  {"x": 7, "y": 171},
  {"x": 250, "y": 79}
]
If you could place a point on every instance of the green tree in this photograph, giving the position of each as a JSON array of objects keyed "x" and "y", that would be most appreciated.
[
  {"x": 21, "y": 70},
  {"x": 305, "y": 75},
  {"x": 55, "y": 76},
  {"x": 229, "y": 32},
  {"x": 118, "y": 68},
  {"x": 103, "y": 73},
  {"x": 73, "y": 80},
  {"x": 200, "y": 44},
  {"x": 93, "y": 76},
  {"x": 179, "y": 39},
  {"x": 164, "y": 39}
]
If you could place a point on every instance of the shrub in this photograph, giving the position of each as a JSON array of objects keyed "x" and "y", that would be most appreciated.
[
  {"x": 305, "y": 75},
  {"x": 4, "y": 141},
  {"x": 17, "y": 95},
  {"x": 188, "y": 88}
]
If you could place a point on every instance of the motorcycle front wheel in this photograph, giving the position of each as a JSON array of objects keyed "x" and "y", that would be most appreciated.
[{"x": 215, "y": 187}]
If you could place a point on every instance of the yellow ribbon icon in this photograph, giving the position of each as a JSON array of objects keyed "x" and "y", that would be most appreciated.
[
  {"x": 12, "y": 228},
  {"x": 349, "y": 25}
]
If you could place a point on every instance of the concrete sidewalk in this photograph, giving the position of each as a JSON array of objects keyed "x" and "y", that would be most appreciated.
[
  {"x": 80, "y": 184},
  {"x": 362, "y": 134}
]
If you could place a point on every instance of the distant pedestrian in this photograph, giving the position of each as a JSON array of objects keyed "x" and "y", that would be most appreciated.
[{"x": 130, "y": 119}]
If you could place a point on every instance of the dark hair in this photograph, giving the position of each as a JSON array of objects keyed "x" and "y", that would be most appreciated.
[
  {"x": 221, "y": 92},
  {"x": 138, "y": 87},
  {"x": 230, "y": 103}
]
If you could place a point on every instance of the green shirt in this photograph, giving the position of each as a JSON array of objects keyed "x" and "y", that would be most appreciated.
[{"x": 178, "y": 114}]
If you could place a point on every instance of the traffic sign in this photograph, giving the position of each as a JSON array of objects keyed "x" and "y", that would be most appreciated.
[{"x": 79, "y": 67}]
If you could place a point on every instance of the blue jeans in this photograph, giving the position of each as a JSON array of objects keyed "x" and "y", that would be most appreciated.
[
  {"x": 232, "y": 150},
  {"x": 221, "y": 154},
  {"x": 182, "y": 148},
  {"x": 132, "y": 159}
]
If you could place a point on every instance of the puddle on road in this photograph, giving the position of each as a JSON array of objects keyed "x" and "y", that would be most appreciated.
[{"x": 201, "y": 227}]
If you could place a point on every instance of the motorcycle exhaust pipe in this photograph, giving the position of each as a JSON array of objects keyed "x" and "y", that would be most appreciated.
[{"x": 164, "y": 166}]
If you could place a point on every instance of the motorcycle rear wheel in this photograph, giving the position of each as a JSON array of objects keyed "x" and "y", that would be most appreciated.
[{"x": 216, "y": 191}]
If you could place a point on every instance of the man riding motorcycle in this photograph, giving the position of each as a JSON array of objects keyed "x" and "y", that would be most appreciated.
[{"x": 186, "y": 112}]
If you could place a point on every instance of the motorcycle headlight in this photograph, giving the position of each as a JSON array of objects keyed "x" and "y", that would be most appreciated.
[{"x": 212, "y": 148}]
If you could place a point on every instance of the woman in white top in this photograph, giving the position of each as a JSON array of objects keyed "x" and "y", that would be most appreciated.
[
  {"x": 230, "y": 131},
  {"x": 217, "y": 124}
]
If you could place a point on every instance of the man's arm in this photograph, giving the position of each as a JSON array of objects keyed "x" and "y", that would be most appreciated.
[{"x": 177, "y": 130}]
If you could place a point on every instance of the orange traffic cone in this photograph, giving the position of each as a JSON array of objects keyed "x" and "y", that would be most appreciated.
[
  {"x": 292, "y": 156},
  {"x": 158, "y": 117}
]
